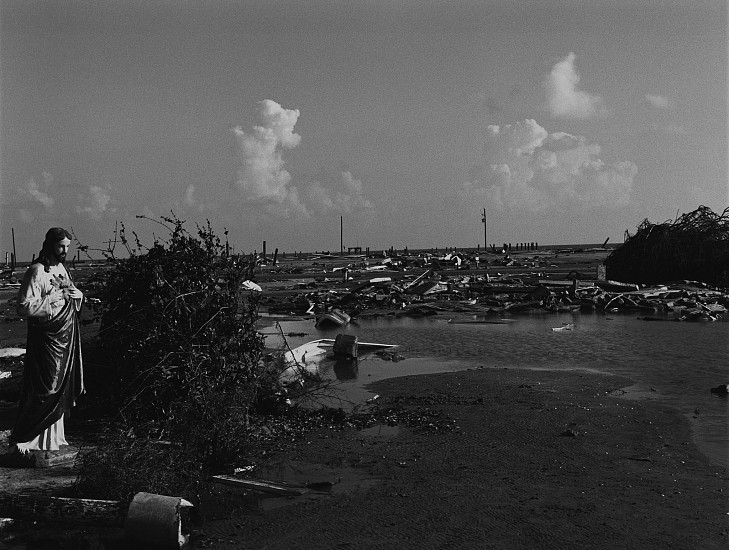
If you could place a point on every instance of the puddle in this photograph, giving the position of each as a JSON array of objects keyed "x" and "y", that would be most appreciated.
[
  {"x": 348, "y": 379},
  {"x": 636, "y": 392},
  {"x": 676, "y": 363}
]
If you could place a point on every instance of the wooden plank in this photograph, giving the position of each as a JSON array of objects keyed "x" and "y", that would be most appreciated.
[
  {"x": 567, "y": 283},
  {"x": 363, "y": 346},
  {"x": 48, "y": 459},
  {"x": 70, "y": 510},
  {"x": 617, "y": 286},
  {"x": 481, "y": 321},
  {"x": 273, "y": 487}
]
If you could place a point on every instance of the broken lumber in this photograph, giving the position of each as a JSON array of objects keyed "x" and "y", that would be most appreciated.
[
  {"x": 76, "y": 510},
  {"x": 274, "y": 487}
]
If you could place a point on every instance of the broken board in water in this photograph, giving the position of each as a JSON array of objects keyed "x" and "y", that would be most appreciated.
[
  {"x": 480, "y": 321},
  {"x": 273, "y": 487}
]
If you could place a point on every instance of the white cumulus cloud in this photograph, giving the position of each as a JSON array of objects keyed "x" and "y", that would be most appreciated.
[
  {"x": 37, "y": 197},
  {"x": 658, "y": 101},
  {"x": 564, "y": 98},
  {"x": 190, "y": 196},
  {"x": 193, "y": 200},
  {"x": 94, "y": 203},
  {"x": 39, "y": 192},
  {"x": 262, "y": 179},
  {"x": 343, "y": 195},
  {"x": 525, "y": 167},
  {"x": 261, "y": 174}
]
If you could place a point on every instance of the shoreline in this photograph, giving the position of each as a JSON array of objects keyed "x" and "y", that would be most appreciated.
[{"x": 353, "y": 393}]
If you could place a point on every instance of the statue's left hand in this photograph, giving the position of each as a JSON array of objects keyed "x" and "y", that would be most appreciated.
[{"x": 73, "y": 292}]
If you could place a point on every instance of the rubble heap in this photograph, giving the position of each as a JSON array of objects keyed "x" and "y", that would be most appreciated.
[{"x": 695, "y": 247}]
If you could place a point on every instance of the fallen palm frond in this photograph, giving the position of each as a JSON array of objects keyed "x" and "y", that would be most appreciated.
[{"x": 695, "y": 246}]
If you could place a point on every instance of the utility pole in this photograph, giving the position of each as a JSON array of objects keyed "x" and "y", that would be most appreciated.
[
  {"x": 341, "y": 235},
  {"x": 485, "y": 240},
  {"x": 14, "y": 258}
]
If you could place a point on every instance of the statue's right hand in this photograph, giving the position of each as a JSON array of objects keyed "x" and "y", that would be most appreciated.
[{"x": 56, "y": 297}]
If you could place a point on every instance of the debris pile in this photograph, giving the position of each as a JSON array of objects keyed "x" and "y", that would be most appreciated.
[
  {"x": 485, "y": 298},
  {"x": 695, "y": 246}
]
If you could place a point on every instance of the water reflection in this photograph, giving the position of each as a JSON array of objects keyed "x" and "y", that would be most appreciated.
[{"x": 346, "y": 369}]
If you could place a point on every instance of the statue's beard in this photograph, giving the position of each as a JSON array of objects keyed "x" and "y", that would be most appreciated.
[{"x": 60, "y": 258}]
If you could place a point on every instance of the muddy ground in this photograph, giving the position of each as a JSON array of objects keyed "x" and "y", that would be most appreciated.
[
  {"x": 504, "y": 459},
  {"x": 515, "y": 459}
]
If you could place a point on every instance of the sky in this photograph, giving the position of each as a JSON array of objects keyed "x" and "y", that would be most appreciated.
[{"x": 371, "y": 123}]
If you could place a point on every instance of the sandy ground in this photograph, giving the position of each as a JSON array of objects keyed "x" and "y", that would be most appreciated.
[
  {"x": 508, "y": 459},
  {"x": 515, "y": 459}
]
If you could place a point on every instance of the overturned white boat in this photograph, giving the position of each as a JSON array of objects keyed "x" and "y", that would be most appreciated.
[{"x": 308, "y": 356}]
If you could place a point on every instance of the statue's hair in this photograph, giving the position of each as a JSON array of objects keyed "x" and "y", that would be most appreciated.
[{"x": 53, "y": 235}]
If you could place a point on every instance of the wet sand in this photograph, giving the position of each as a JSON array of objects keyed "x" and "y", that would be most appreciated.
[
  {"x": 497, "y": 458},
  {"x": 514, "y": 459}
]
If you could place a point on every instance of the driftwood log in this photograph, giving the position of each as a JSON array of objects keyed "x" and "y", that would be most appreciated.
[{"x": 69, "y": 510}]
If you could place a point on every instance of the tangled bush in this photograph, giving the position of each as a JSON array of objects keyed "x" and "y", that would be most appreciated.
[
  {"x": 695, "y": 246},
  {"x": 181, "y": 359}
]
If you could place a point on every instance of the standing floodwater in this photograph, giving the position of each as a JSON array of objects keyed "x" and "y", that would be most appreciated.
[{"x": 676, "y": 362}]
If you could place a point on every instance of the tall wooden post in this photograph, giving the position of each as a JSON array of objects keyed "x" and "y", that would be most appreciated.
[
  {"x": 341, "y": 235},
  {"x": 15, "y": 256},
  {"x": 485, "y": 239}
]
